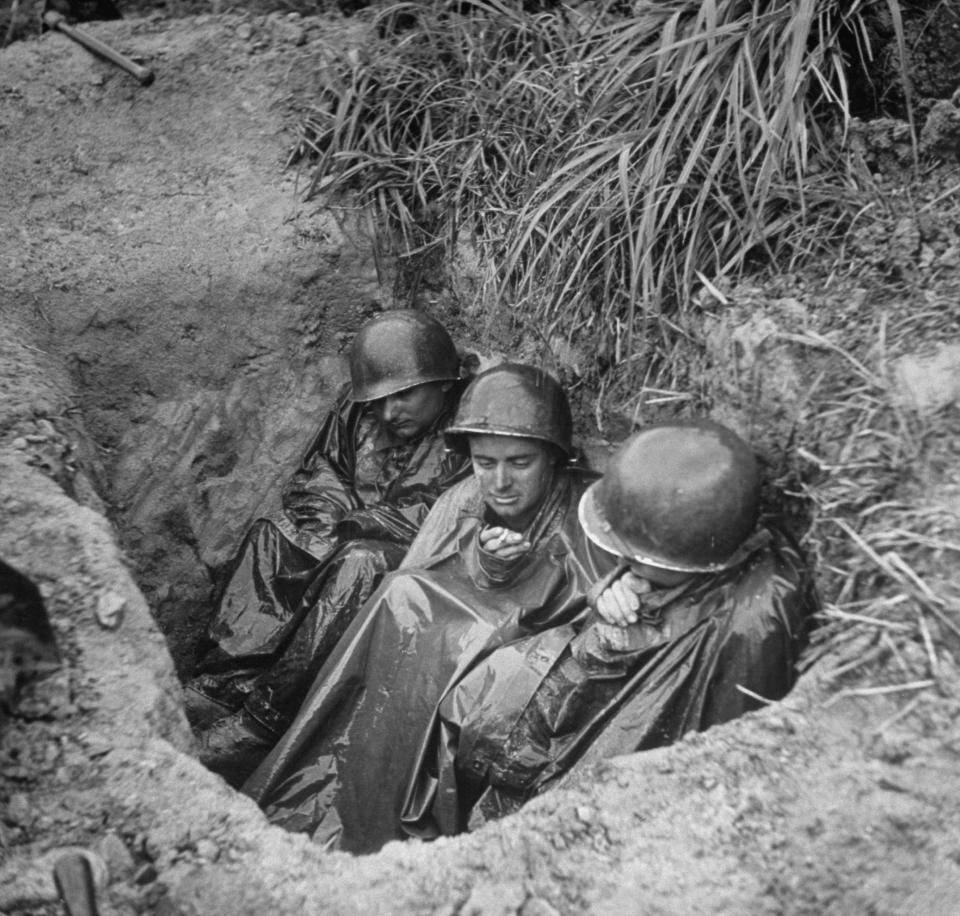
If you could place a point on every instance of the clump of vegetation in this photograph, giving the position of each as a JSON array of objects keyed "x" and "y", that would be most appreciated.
[
  {"x": 602, "y": 163},
  {"x": 619, "y": 174}
]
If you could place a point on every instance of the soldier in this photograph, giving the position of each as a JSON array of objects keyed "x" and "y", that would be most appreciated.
[
  {"x": 493, "y": 563},
  {"x": 702, "y": 619},
  {"x": 349, "y": 513}
]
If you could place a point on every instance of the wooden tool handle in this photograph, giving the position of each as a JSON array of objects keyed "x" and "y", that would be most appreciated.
[
  {"x": 598, "y": 588},
  {"x": 76, "y": 884},
  {"x": 55, "y": 20}
]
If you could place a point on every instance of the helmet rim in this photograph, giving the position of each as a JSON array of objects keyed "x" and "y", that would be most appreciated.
[
  {"x": 598, "y": 529},
  {"x": 539, "y": 408},
  {"x": 454, "y": 432},
  {"x": 385, "y": 389},
  {"x": 681, "y": 496}
]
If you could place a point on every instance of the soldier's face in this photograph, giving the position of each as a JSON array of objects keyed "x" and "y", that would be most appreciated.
[
  {"x": 514, "y": 475},
  {"x": 410, "y": 413}
]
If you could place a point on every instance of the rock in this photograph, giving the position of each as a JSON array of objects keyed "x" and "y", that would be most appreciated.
[
  {"x": 941, "y": 131},
  {"x": 115, "y": 854},
  {"x": 244, "y": 31},
  {"x": 19, "y": 811},
  {"x": 110, "y": 610},
  {"x": 928, "y": 383}
]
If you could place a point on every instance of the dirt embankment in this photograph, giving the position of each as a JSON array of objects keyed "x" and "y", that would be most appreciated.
[{"x": 172, "y": 312}]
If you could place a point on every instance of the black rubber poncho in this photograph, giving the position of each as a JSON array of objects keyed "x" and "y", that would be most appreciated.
[
  {"x": 346, "y": 770},
  {"x": 349, "y": 514},
  {"x": 701, "y": 653}
]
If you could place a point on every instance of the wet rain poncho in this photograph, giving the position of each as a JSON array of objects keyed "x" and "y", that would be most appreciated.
[
  {"x": 344, "y": 771},
  {"x": 349, "y": 514},
  {"x": 702, "y": 653}
]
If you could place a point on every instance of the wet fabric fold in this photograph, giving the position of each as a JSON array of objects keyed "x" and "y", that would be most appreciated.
[
  {"x": 712, "y": 648},
  {"x": 348, "y": 514},
  {"x": 348, "y": 767}
]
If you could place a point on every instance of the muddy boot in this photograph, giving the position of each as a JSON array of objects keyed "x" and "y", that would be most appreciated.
[{"x": 234, "y": 746}]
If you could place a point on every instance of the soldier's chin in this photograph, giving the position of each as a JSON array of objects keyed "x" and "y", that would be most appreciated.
[{"x": 504, "y": 512}]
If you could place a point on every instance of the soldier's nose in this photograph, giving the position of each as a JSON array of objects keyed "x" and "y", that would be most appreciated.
[{"x": 390, "y": 409}]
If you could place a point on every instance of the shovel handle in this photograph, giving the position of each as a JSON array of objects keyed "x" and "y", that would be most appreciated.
[
  {"x": 598, "y": 588},
  {"x": 55, "y": 20},
  {"x": 76, "y": 884}
]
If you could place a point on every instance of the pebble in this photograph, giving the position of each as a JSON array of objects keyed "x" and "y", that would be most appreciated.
[
  {"x": 20, "y": 442},
  {"x": 110, "y": 610},
  {"x": 244, "y": 31}
]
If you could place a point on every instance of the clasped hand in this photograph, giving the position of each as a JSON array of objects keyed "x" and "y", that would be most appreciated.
[
  {"x": 503, "y": 543},
  {"x": 619, "y": 603}
]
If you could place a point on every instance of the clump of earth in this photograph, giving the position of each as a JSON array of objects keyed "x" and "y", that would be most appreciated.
[{"x": 173, "y": 316}]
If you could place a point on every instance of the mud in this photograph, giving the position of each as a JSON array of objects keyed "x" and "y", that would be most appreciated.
[{"x": 173, "y": 314}]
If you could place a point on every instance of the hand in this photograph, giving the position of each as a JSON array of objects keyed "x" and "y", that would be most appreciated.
[
  {"x": 503, "y": 543},
  {"x": 618, "y": 604}
]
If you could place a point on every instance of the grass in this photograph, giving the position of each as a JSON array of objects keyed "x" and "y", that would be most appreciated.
[
  {"x": 619, "y": 177},
  {"x": 603, "y": 166},
  {"x": 883, "y": 539}
]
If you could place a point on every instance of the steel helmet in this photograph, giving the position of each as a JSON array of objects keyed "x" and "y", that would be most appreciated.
[
  {"x": 681, "y": 496},
  {"x": 397, "y": 350},
  {"x": 513, "y": 400}
]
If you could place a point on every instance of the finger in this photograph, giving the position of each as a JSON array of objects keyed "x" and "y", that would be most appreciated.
[
  {"x": 609, "y": 608},
  {"x": 627, "y": 599},
  {"x": 490, "y": 534},
  {"x": 511, "y": 551},
  {"x": 636, "y": 584}
]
